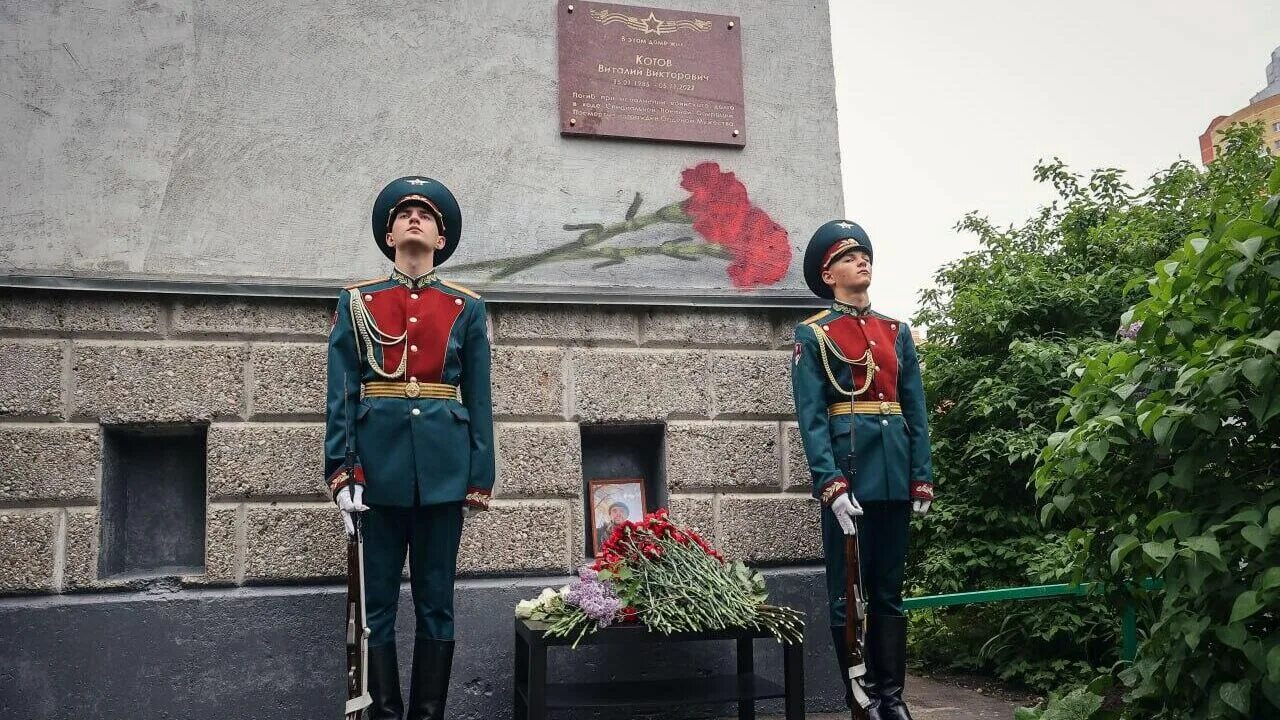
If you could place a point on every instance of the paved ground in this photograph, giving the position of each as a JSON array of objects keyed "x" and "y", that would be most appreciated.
[{"x": 934, "y": 700}]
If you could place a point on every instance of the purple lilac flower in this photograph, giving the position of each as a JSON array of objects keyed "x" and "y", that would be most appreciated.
[
  {"x": 1130, "y": 331},
  {"x": 595, "y": 597}
]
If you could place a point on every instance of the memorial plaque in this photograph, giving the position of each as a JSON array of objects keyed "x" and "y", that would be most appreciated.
[{"x": 639, "y": 72}]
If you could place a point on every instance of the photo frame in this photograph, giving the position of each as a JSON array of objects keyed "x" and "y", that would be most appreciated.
[{"x": 611, "y": 502}]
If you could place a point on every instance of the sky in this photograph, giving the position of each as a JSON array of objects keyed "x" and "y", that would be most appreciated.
[{"x": 945, "y": 107}]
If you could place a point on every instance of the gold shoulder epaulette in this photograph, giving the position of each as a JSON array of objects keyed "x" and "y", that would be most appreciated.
[
  {"x": 459, "y": 288},
  {"x": 362, "y": 283},
  {"x": 814, "y": 318}
]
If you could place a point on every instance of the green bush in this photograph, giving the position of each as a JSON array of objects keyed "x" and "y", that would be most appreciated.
[
  {"x": 1005, "y": 325},
  {"x": 1168, "y": 458}
]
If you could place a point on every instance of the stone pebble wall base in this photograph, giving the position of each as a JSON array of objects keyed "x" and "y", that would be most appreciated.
[{"x": 252, "y": 370}]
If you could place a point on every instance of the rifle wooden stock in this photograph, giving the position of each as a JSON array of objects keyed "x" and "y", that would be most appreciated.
[
  {"x": 855, "y": 626},
  {"x": 358, "y": 697}
]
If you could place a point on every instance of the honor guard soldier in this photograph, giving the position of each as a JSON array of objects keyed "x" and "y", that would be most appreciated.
[
  {"x": 885, "y": 410},
  {"x": 409, "y": 395}
]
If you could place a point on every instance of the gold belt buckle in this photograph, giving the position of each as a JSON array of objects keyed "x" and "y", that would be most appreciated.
[
  {"x": 412, "y": 389},
  {"x": 884, "y": 408}
]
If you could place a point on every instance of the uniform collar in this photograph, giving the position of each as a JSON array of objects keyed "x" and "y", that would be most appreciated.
[
  {"x": 848, "y": 309},
  {"x": 413, "y": 283}
]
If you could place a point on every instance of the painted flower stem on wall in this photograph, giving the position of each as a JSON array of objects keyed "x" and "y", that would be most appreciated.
[{"x": 726, "y": 224}]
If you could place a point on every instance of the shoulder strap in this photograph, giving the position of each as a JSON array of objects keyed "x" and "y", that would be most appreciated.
[{"x": 461, "y": 289}]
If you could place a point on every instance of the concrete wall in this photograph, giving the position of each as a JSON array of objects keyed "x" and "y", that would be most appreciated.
[
  {"x": 254, "y": 371},
  {"x": 173, "y": 138},
  {"x": 258, "y": 653}
]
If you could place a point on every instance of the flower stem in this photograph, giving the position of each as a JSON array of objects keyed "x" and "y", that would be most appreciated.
[{"x": 590, "y": 237}]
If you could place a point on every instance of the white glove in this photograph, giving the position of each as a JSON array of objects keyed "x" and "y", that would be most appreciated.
[
  {"x": 349, "y": 501},
  {"x": 846, "y": 508},
  {"x": 921, "y": 507}
]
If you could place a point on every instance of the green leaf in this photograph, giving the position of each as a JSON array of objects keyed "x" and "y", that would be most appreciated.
[
  {"x": 1246, "y": 605},
  {"x": 1257, "y": 370},
  {"x": 1252, "y": 515},
  {"x": 1248, "y": 248},
  {"x": 1265, "y": 407},
  {"x": 1271, "y": 342},
  {"x": 1098, "y": 449},
  {"x": 1205, "y": 544},
  {"x": 1256, "y": 536},
  {"x": 1273, "y": 520},
  {"x": 1270, "y": 579},
  {"x": 1163, "y": 520},
  {"x": 1271, "y": 690},
  {"x": 1236, "y": 695},
  {"x": 1125, "y": 544},
  {"x": 1273, "y": 664},
  {"x": 1158, "y": 551},
  {"x": 635, "y": 207},
  {"x": 1232, "y": 635}
]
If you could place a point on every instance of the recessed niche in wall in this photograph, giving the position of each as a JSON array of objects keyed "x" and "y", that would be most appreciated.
[
  {"x": 153, "y": 501},
  {"x": 622, "y": 452}
]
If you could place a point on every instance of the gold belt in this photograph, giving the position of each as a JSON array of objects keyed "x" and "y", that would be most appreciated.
[
  {"x": 864, "y": 407},
  {"x": 412, "y": 389}
]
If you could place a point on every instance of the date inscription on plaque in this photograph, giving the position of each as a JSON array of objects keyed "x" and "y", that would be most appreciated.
[{"x": 638, "y": 72}]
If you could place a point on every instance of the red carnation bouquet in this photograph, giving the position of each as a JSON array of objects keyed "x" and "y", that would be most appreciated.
[
  {"x": 667, "y": 577},
  {"x": 729, "y": 225}
]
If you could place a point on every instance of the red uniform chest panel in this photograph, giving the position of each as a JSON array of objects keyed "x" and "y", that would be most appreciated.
[
  {"x": 428, "y": 315},
  {"x": 852, "y": 336}
]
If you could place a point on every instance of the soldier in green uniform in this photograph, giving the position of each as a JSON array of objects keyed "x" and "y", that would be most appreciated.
[
  {"x": 409, "y": 394},
  {"x": 893, "y": 475}
]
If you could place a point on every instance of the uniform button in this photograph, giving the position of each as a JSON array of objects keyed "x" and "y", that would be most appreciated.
[
  {"x": 413, "y": 348},
  {"x": 457, "y": 301},
  {"x": 413, "y": 379},
  {"x": 884, "y": 422},
  {"x": 413, "y": 319},
  {"x": 414, "y": 295},
  {"x": 873, "y": 343},
  {"x": 894, "y": 326},
  {"x": 368, "y": 298},
  {"x": 416, "y": 411},
  {"x": 861, "y": 321},
  {"x": 826, "y": 327},
  {"x": 880, "y": 395}
]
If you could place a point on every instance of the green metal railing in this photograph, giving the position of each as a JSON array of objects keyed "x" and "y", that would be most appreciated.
[{"x": 1128, "y": 615}]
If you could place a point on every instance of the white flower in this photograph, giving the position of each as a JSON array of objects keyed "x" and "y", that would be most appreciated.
[{"x": 525, "y": 608}]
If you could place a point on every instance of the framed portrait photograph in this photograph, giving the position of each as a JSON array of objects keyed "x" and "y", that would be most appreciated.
[{"x": 613, "y": 502}]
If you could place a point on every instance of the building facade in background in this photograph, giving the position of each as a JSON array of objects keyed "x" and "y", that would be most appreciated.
[{"x": 1263, "y": 107}]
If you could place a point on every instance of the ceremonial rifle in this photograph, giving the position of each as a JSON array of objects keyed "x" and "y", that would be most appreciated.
[
  {"x": 358, "y": 697},
  {"x": 855, "y": 621}
]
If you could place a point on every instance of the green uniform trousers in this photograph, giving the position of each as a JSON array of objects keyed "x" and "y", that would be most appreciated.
[
  {"x": 430, "y": 534},
  {"x": 882, "y": 541}
]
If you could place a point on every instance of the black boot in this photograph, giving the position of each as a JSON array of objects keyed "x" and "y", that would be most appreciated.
[
  {"x": 842, "y": 657},
  {"x": 384, "y": 684},
  {"x": 432, "y": 663},
  {"x": 888, "y": 648}
]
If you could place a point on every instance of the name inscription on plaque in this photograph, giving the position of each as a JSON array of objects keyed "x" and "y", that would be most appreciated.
[{"x": 638, "y": 72}]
